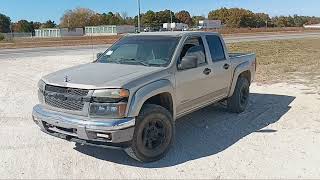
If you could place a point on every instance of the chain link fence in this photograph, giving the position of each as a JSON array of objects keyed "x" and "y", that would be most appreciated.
[{"x": 15, "y": 35}]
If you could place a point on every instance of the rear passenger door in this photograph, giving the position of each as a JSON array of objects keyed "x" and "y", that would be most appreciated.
[{"x": 221, "y": 66}]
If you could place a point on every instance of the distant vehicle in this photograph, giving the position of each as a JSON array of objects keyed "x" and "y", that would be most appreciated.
[
  {"x": 162, "y": 29},
  {"x": 151, "y": 29},
  {"x": 147, "y": 29},
  {"x": 131, "y": 96},
  {"x": 175, "y": 26},
  {"x": 209, "y": 24}
]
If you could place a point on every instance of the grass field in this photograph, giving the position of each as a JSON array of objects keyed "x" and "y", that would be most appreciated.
[{"x": 285, "y": 60}]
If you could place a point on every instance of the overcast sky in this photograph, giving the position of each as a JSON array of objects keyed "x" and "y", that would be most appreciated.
[{"x": 42, "y": 10}]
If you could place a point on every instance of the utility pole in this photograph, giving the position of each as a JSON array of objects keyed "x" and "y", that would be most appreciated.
[
  {"x": 171, "y": 20},
  {"x": 11, "y": 31},
  {"x": 68, "y": 22},
  {"x": 139, "y": 24},
  {"x": 266, "y": 24}
]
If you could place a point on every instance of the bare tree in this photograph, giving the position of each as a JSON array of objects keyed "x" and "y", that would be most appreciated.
[
  {"x": 124, "y": 15},
  {"x": 79, "y": 17}
]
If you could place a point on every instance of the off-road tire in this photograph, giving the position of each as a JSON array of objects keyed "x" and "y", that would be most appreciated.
[
  {"x": 238, "y": 102},
  {"x": 149, "y": 114}
]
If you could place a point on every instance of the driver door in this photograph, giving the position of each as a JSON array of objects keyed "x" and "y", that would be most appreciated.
[{"x": 193, "y": 85}]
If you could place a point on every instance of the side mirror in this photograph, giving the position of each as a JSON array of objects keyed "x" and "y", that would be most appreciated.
[
  {"x": 99, "y": 55},
  {"x": 188, "y": 62}
]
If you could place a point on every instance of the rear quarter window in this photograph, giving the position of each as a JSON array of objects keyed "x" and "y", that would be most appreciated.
[{"x": 216, "y": 48}]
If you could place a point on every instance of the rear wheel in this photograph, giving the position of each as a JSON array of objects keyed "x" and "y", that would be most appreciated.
[
  {"x": 153, "y": 135},
  {"x": 238, "y": 102}
]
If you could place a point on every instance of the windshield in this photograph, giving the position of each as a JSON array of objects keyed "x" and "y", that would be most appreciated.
[{"x": 141, "y": 50}]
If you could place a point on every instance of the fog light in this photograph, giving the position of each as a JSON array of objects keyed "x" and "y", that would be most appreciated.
[
  {"x": 35, "y": 120},
  {"x": 105, "y": 136}
]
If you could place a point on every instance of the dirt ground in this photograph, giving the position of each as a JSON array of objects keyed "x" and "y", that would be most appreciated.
[{"x": 277, "y": 137}]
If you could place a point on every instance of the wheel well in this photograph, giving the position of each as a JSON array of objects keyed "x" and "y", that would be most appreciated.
[
  {"x": 247, "y": 75},
  {"x": 163, "y": 99}
]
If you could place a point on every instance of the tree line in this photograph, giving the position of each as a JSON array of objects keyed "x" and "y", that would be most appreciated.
[
  {"x": 7, "y": 26},
  {"x": 242, "y": 18},
  {"x": 230, "y": 17}
]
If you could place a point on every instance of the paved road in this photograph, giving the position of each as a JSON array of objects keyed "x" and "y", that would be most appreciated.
[
  {"x": 52, "y": 51},
  {"x": 266, "y": 37},
  {"x": 82, "y": 50}
]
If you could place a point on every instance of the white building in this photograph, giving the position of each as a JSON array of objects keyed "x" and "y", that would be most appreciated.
[
  {"x": 175, "y": 26},
  {"x": 108, "y": 30},
  {"x": 48, "y": 32},
  {"x": 209, "y": 24},
  {"x": 56, "y": 32},
  {"x": 312, "y": 26}
]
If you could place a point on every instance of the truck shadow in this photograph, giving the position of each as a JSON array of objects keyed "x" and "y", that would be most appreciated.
[{"x": 208, "y": 131}]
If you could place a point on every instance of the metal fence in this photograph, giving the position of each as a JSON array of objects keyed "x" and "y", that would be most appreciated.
[{"x": 9, "y": 36}]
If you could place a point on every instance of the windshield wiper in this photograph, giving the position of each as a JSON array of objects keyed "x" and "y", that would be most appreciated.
[{"x": 132, "y": 60}]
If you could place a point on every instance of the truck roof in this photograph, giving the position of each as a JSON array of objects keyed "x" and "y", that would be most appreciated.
[{"x": 171, "y": 33}]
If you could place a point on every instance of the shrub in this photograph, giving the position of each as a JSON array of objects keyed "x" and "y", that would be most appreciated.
[{"x": 1, "y": 37}]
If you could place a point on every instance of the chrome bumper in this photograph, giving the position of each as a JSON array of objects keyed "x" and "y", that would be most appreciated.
[{"x": 83, "y": 129}]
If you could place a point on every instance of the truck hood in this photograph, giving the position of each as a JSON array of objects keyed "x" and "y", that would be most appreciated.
[{"x": 98, "y": 75}]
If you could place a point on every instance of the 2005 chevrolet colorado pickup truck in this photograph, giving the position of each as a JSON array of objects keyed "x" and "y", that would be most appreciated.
[{"x": 130, "y": 97}]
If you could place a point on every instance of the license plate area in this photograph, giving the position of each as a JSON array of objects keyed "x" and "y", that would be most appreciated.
[{"x": 62, "y": 130}]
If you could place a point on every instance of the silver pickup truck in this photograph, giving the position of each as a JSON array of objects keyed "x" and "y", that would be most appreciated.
[{"x": 130, "y": 97}]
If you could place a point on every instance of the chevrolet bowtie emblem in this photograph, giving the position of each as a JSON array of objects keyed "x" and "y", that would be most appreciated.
[{"x": 66, "y": 79}]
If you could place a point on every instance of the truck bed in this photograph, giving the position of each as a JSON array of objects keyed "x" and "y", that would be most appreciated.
[
  {"x": 238, "y": 55},
  {"x": 245, "y": 59}
]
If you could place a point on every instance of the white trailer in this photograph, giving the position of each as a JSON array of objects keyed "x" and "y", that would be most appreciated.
[
  {"x": 312, "y": 26},
  {"x": 108, "y": 30},
  {"x": 209, "y": 24},
  {"x": 175, "y": 26}
]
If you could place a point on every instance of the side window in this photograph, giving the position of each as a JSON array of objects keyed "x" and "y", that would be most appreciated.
[
  {"x": 216, "y": 48},
  {"x": 193, "y": 46}
]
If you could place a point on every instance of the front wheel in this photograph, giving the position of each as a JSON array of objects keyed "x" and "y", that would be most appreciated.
[
  {"x": 153, "y": 135},
  {"x": 238, "y": 102}
]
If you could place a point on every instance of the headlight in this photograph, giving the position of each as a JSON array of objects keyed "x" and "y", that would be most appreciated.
[
  {"x": 109, "y": 103},
  {"x": 41, "y": 85},
  {"x": 108, "y": 110},
  {"x": 110, "y": 95}
]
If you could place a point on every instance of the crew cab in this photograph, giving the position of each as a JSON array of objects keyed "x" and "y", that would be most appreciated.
[{"x": 131, "y": 95}]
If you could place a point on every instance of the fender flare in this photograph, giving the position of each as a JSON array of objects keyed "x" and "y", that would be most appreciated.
[
  {"x": 148, "y": 91},
  {"x": 238, "y": 70}
]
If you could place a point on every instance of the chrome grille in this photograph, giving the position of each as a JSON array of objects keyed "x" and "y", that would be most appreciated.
[
  {"x": 65, "y": 98},
  {"x": 66, "y": 90}
]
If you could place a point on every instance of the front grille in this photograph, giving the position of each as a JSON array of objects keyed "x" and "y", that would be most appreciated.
[
  {"x": 65, "y": 98},
  {"x": 66, "y": 90},
  {"x": 64, "y": 104}
]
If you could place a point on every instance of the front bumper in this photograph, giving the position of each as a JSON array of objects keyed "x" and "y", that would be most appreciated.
[{"x": 113, "y": 133}]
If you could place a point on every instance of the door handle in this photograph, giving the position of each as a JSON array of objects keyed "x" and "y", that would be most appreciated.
[
  {"x": 206, "y": 71},
  {"x": 226, "y": 66}
]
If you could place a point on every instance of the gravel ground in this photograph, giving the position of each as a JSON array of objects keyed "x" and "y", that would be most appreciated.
[{"x": 277, "y": 137}]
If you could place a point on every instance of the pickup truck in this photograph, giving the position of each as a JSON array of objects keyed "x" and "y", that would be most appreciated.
[{"x": 130, "y": 97}]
